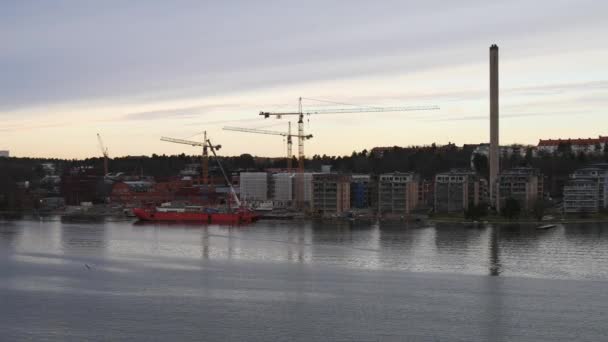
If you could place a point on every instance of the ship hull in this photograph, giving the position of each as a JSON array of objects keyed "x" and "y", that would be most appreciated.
[{"x": 195, "y": 217}]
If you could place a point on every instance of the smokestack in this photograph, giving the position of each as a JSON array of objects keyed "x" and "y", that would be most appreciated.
[{"x": 494, "y": 145}]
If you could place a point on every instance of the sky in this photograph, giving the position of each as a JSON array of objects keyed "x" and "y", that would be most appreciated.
[{"x": 134, "y": 71}]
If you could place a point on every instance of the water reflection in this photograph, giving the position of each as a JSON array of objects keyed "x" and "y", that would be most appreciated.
[
  {"x": 9, "y": 234},
  {"x": 494, "y": 251},
  {"x": 83, "y": 237},
  {"x": 572, "y": 251}
]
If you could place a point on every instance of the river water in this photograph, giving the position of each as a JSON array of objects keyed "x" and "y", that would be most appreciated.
[{"x": 302, "y": 281}]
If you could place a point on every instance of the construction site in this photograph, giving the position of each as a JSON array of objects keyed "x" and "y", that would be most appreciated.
[{"x": 297, "y": 186}]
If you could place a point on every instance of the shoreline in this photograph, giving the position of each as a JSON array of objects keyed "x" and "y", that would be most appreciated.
[{"x": 15, "y": 214}]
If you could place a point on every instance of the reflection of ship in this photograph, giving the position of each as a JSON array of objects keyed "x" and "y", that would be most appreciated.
[
  {"x": 196, "y": 214},
  {"x": 85, "y": 212},
  {"x": 82, "y": 217}
]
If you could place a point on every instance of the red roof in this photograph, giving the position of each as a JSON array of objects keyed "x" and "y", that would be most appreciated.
[{"x": 579, "y": 141}]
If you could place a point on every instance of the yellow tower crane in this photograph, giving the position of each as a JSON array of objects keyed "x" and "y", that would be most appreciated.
[
  {"x": 205, "y": 155},
  {"x": 301, "y": 136},
  {"x": 287, "y": 134}
]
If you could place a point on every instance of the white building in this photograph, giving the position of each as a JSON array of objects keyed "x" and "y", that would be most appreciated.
[
  {"x": 4, "y": 153},
  {"x": 587, "y": 190},
  {"x": 254, "y": 186},
  {"x": 586, "y": 146},
  {"x": 505, "y": 151},
  {"x": 282, "y": 189},
  {"x": 307, "y": 186}
]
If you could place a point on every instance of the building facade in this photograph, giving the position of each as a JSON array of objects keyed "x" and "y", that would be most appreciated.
[
  {"x": 523, "y": 184},
  {"x": 586, "y": 191},
  {"x": 584, "y": 145},
  {"x": 360, "y": 191},
  {"x": 397, "y": 193},
  {"x": 581, "y": 196},
  {"x": 456, "y": 190},
  {"x": 282, "y": 187},
  {"x": 254, "y": 186},
  {"x": 331, "y": 193},
  {"x": 426, "y": 193}
]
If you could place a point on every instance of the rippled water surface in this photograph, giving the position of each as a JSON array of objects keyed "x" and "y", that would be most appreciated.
[
  {"x": 575, "y": 251},
  {"x": 302, "y": 281}
]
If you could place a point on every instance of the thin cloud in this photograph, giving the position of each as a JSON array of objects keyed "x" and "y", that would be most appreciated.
[
  {"x": 502, "y": 116},
  {"x": 559, "y": 88},
  {"x": 178, "y": 113}
]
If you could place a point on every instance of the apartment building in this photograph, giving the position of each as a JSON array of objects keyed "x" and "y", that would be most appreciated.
[
  {"x": 330, "y": 193},
  {"x": 397, "y": 193},
  {"x": 524, "y": 184},
  {"x": 360, "y": 191},
  {"x": 586, "y": 191},
  {"x": 456, "y": 190},
  {"x": 254, "y": 186}
]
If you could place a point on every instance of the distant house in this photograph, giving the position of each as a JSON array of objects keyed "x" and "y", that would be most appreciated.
[{"x": 586, "y": 146}]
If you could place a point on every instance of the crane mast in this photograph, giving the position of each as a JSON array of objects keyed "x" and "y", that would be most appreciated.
[
  {"x": 300, "y": 113},
  {"x": 205, "y": 161},
  {"x": 287, "y": 134},
  {"x": 205, "y": 155},
  {"x": 232, "y": 191},
  {"x": 289, "y": 147},
  {"x": 104, "y": 151}
]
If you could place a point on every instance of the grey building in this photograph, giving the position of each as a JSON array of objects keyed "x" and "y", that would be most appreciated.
[
  {"x": 254, "y": 186},
  {"x": 330, "y": 193},
  {"x": 456, "y": 190},
  {"x": 524, "y": 184},
  {"x": 397, "y": 193},
  {"x": 586, "y": 191}
]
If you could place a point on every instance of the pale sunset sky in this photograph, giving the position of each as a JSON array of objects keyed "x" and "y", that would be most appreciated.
[{"x": 138, "y": 70}]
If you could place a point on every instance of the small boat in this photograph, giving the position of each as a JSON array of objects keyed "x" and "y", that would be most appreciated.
[{"x": 546, "y": 226}]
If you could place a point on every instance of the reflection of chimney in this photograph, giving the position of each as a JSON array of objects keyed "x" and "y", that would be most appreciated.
[{"x": 494, "y": 149}]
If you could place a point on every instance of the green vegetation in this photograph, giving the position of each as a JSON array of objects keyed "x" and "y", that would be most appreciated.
[
  {"x": 539, "y": 208},
  {"x": 475, "y": 212},
  {"x": 511, "y": 209},
  {"x": 424, "y": 160}
]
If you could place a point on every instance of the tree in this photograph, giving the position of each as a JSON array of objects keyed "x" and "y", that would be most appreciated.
[
  {"x": 475, "y": 212},
  {"x": 564, "y": 148},
  {"x": 246, "y": 161},
  {"x": 511, "y": 209},
  {"x": 481, "y": 165},
  {"x": 539, "y": 208}
]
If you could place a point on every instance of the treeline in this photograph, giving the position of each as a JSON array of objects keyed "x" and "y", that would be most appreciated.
[{"x": 424, "y": 160}]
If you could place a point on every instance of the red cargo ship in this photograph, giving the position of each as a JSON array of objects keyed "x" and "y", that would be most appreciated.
[
  {"x": 200, "y": 214},
  {"x": 195, "y": 214}
]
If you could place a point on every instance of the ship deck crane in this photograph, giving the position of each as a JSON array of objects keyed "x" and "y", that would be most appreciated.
[
  {"x": 300, "y": 114},
  {"x": 205, "y": 155},
  {"x": 104, "y": 151},
  {"x": 287, "y": 134},
  {"x": 232, "y": 191}
]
